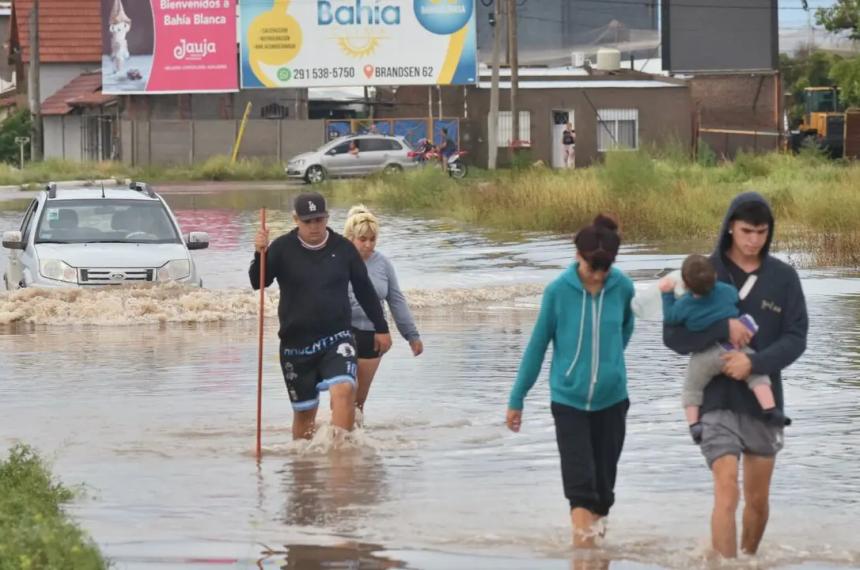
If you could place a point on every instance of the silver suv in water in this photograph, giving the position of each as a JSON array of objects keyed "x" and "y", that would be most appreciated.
[
  {"x": 74, "y": 236},
  {"x": 353, "y": 155}
]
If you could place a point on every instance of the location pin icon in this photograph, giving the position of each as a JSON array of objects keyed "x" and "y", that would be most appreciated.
[{"x": 368, "y": 70}]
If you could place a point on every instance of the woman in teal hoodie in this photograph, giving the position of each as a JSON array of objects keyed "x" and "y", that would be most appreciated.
[{"x": 588, "y": 380}]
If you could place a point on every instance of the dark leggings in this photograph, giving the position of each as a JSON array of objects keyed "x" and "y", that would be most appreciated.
[{"x": 590, "y": 446}]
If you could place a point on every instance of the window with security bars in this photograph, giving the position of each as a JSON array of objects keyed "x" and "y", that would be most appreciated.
[
  {"x": 504, "y": 137},
  {"x": 617, "y": 129}
]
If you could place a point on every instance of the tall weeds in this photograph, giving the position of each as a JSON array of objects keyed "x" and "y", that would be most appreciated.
[
  {"x": 214, "y": 168},
  {"x": 659, "y": 195}
]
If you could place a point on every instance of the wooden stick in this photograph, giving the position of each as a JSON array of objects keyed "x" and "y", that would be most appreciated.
[{"x": 260, "y": 345}]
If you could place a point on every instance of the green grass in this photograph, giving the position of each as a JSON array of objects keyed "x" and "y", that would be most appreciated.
[
  {"x": 659, "y": 195},
  {"x": 35, "y": 532},
  {"x": 215, "y": 168}
]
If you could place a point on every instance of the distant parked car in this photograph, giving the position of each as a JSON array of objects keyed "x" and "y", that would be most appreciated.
[
  {"x": 74, "y": 236},
  {"x": 353, "y": 155}
]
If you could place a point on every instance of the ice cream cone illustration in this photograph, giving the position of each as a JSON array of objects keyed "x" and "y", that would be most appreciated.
[
  {"x": 274, "y": 40},
  {"x": 119, "y": 26}
]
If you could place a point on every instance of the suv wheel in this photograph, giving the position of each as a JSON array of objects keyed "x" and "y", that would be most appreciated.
[{"x": 315, "y": 174}]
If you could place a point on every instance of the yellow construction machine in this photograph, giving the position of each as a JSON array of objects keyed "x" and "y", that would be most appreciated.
[{"x": 823, "y": 121}]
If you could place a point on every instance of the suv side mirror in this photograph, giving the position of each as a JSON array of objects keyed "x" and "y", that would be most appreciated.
[
  {"x": 332, "y": 152},
  {"x": 13, "y": 240},
  {"x": 197, "y": 240}
]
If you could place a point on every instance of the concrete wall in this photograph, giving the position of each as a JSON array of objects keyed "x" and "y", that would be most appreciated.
[
  {"x": 55, "y": 76},
  {"x": 190, "y": 142},
  {"x": 214, "y": 105},
  {"x": 63, "y": 137}
]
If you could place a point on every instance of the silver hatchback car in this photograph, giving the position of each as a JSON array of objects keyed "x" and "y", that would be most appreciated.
[{"x": 353, "y": 155}]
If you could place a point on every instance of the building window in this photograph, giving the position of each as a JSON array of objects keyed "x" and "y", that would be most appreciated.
[
  {"x": 617, "y": 129},
  {"x": 274, "y": 111},
  {"x": 504, "y": 137}
]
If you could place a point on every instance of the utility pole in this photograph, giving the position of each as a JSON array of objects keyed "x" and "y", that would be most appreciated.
[
  {"x": 493, "y": 127},
  {"x": 514, "y": 59},
  {"x": 33, "y": 86}
]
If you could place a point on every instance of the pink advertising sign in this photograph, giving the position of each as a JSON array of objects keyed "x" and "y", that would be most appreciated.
[{"x": 169, "y": 46}]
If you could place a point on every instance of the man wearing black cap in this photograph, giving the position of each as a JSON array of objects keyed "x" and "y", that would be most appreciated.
[{"x": 314, "y": 266}]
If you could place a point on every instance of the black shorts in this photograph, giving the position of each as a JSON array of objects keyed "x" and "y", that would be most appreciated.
[
  {"x": 317, "y": 367},
  {"x": 364, "y": 343}
]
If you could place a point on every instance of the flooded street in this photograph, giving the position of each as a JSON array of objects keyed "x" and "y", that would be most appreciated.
[{"x": 156, "y": 416}]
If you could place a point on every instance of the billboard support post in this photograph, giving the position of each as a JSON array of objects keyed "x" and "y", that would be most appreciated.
[
  {"x": 439, "y": 93},
  {"x": 430, "y": 114},
  {"x": 493, "y": 127}
]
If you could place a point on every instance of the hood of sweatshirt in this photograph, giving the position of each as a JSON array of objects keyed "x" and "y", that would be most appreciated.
[{"x": 724, "y": 242}]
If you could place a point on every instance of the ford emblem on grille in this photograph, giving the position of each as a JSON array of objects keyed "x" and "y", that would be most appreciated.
[{"x": 117, "y": 276}]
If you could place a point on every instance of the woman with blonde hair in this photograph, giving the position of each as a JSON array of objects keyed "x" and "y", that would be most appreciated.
[{"x": 362, "y": 229}]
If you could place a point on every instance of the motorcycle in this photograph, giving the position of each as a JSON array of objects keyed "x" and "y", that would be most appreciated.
[{"x": 429, "y": 154}]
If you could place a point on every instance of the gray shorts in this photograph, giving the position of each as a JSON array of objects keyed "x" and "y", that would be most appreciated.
[{"x": 728, "y": 433}]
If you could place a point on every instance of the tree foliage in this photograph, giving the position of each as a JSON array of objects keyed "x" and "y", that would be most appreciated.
[
  {"x": 846, "y": 74},
  {"x": 844, "y": 15},
  {"x": 18, "y": 125}
]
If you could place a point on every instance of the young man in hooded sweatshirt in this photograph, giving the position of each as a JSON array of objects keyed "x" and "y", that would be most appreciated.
[{"x": 734, "y": 424}]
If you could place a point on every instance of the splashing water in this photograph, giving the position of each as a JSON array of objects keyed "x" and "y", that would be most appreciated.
[{"x": 173, "y": 303}]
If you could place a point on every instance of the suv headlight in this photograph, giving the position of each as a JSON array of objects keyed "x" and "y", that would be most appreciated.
[
  {"x": 58, "y": 270},
  {"x": 174, "y": 270},
  {"x": 298, "y": 162}
]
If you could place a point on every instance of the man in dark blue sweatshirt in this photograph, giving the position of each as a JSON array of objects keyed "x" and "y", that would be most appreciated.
[{"x": 734, "y": 425}]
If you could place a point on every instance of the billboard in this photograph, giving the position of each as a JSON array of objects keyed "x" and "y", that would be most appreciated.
[
  {"x": 328, "y": 43},
  {"x": 549, "y": 30},
  {"x": 169, "y": 46},
  {"x": 704, "y": 35}
]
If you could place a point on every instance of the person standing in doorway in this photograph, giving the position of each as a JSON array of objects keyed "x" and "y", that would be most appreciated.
[
  {"x": 734, "y": 425},
  {"x": 568, "y": 139},
  {"x": 314, "y": 267},
  {"x": 362, "y": 229},
  {"x": 586, "y": 314}
]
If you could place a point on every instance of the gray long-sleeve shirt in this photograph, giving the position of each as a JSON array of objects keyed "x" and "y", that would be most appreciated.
[{"x": 384, "y": 280}]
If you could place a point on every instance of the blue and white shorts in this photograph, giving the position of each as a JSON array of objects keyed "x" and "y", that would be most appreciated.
[{"x": 317, "y": 367}]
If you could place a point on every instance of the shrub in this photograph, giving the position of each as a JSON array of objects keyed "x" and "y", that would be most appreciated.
[
  {"x": 35, "y": 533},
  {"x": 17, "y": 125}
]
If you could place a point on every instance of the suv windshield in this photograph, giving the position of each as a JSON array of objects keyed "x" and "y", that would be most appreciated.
[{"x": 105, "y": 221}]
